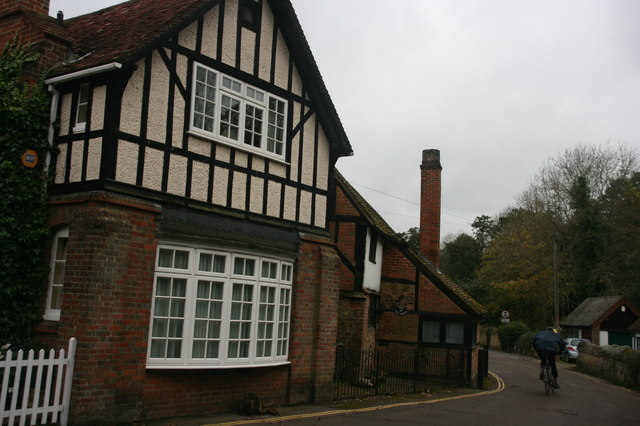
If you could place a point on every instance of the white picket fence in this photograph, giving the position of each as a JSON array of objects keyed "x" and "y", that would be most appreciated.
[{"x": 37, "y": 386}]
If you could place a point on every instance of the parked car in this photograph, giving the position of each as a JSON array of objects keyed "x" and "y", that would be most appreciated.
[{"x": 570, "y": 352}]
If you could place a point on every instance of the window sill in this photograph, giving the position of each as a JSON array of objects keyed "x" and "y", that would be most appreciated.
[
  {"x": 214, "y": 367},
  {"x": 241, "y": 147}
]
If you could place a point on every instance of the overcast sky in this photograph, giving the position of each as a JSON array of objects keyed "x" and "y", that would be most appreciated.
[{"x": 498, "y": 86}]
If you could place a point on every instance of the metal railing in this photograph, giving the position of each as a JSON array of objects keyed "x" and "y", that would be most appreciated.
[{"x": 387, "y": 371}]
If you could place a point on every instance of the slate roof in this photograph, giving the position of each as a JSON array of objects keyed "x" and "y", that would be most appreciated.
[
  {"x": 590, "y": 311},
  {"x": 125, "y": 32},
  {"x": 441, "y": 281}
]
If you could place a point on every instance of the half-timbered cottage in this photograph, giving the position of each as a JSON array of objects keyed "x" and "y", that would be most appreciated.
[
  {"x": 190, "y": 247},
  {"x": 393, "y": 298}
]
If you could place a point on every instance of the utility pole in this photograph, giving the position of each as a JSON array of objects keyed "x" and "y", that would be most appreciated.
[{"x": 555, "y": 284}]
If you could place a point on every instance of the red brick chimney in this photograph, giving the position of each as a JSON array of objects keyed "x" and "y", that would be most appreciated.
[
  {"x": 29, "y": 20},
  {"x": 38, "y": 6},
  {"x": 430, "y": 172}
]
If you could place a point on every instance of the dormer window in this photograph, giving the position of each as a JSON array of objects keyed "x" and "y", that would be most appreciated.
[
  {"x": 83, "y": 108},
  {"x": 235, "y": 113}
]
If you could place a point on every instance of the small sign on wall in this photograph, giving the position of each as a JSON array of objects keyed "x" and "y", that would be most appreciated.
[{"x": 29, "y": 158}]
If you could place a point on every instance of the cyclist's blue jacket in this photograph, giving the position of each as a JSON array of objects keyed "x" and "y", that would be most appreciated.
[{"x": 548, "y": 342}]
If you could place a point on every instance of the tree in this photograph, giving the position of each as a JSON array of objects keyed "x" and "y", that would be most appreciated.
[
  {"x": 23, "y": 224},
  {"x": 620, "y": 261},
  {"x": 517, "y": 269},
  {"x": 599, "y": 166},
  {"x": 460, "y": 259},
  {"x": 411, "y": 237}
]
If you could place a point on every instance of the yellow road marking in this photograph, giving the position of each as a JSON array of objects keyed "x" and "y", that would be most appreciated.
[{"x": 500, "y": 388}]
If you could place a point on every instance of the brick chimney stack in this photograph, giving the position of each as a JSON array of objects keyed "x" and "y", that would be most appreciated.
[
  {"x": 39, "y": 6},
  {"x": 430, "y": 187}
]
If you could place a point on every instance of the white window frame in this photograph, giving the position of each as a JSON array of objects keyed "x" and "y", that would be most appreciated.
[
  {"x": 83, "y": 104},
  {"x": 56, "y": 275},
  {"x": 237, "y": 325},
  {"x": 208, "y": 104}
]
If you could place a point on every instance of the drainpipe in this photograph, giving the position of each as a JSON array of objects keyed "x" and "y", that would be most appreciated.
[{"x": 55, "y": 95}]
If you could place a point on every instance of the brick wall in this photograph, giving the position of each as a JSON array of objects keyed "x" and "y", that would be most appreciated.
[
  {"x": 432, "y": 299},
  {"x": 39, "y": 6},
  {"x": 400, "y": 328},
  {"x": 106, "y": 306},
  {"x": 107, "y": 295},
  {"x": 396, "y": 265}
]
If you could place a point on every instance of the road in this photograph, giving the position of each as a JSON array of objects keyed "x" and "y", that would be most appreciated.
[{"x": 582, "y": 399}]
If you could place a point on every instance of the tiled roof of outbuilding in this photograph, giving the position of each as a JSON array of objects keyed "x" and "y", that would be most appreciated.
[
  {"x": 590, "y": 310},
  {"x": 419, "y": 259}
]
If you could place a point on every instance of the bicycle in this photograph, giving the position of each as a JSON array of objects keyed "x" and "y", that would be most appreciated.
[{"x": 547, "y": 378}]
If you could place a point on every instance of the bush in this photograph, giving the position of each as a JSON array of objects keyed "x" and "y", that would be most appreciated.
[
  {"x": 523, "y": 344},
  {"x": 510, "y": 333}
]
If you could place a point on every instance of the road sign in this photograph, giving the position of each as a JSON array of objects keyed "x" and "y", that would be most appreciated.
[
  {"x": 29, "y": 158},
  {"x": 505, "y": 314}
]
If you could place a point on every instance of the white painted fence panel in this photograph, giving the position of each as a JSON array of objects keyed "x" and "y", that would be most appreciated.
[{"x": 38, "y": 388}]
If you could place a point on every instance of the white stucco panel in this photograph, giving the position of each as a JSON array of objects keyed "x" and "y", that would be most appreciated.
[
  {"x": 220, "y": 185},
  {"x": 266, "y": 35},
  {"x": 373, "y": 270},
  {"x": 324, "y": 161},
  {"x": 199, "y": 146},
  {"x": 158, "y": 96},
  {"x": 277, "y": 169},
  {"x": 308, "y": 154},
  {"x": 296, "y": 82},
  {"x": 153, "y": 160},
  {"x": 223, "y": 153},
  {"x": 241, "y": 159},
  {"x": 200, "y": 181},
  {"x": 282, "y": 63},
  {"x": 178, "y": 118},
  {"x": 97, "y": 107},
  {"x": 247, "y": 50},
  {"x": 127, "y": 166},
  {"x": 130, "y": 114},
  {"x": 257, "y": 195},
  {"x": 321, "y": 211},
  {"x": 229, "y": 32},
  {"x": 239, "y": 190},
  {"x": 273, "y": 198},
  {"x": 65, "y": 114},
  {"x": 94, "y": 158},
  {"x": 305, "y": 207},
  {"x": 75, "y": 168},
  {"x": 258, "y": 164},
  {"x": 210, "y": 33},
  {"x": 177, "y": 175},
  {"x": 187, "y": 37},
  {"x": 61, "y": 163},
  {"x": 290, "y": 203}
]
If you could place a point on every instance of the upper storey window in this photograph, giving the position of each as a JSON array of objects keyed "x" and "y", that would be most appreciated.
[
  {"x": 236, "y": 113},
  {"x": 82, "y": 109}
]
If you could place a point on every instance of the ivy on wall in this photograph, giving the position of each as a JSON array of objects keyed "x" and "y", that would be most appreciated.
[{"x": 24, "y": 118}]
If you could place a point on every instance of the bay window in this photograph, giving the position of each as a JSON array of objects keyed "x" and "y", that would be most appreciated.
[
  {"x": 213, "y": 309},
  {"x": 233, "y": 112}
]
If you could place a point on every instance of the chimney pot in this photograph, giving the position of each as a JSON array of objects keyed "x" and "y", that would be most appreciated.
[{"x": 60, "y": 18}]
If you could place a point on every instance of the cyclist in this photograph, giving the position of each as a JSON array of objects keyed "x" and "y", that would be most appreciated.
[{"x": 547, "y": 345}]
